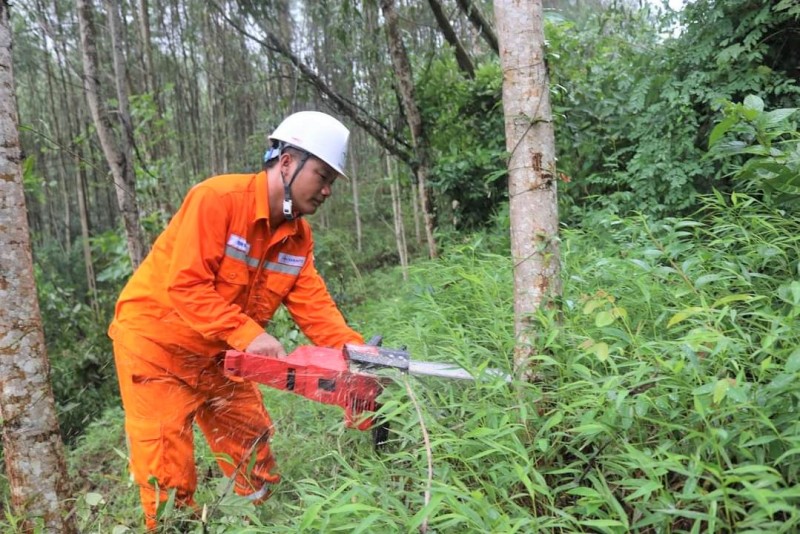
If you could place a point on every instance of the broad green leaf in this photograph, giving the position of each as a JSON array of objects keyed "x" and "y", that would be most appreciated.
[
  {"x": 776, "y": 116},
  {"x": 793, "y": 361},
  {"x": 604, "y": 318},
  {"x": 721, "y": 129},
  {"x": 601, "y": 351},
  {"x": 720, "y": 389},
  {"x": 754, "y": 102}
]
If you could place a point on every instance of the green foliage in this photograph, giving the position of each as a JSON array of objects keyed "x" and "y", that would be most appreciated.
[
  {"x": 769, "y": 141},
  {"x": 464, "y": 121},
  {"x": 633, "y": 113}
]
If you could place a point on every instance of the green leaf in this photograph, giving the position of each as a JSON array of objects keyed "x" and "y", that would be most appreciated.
[
  {"x": 683, "y": 315},
  {"x": 754, "y": 102},
  {"x": 732, "y": 298},
  {"x": 720, "y": 389},
  {"x": 776, "y": 116},
  {"x": 604, "y": 318},
  {"x": 721, "y": 129},
  {"x": 793, "y": 362},
  {"x": 601, "y": 351}
]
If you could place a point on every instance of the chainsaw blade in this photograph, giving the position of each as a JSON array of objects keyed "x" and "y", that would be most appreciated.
[
  {"x": 441, "y": 370},
  {"x": 448, "y": 370}
]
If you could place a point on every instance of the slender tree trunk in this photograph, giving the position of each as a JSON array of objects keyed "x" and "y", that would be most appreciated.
[
  {"x": 531, "y": 167},
  {"x": 464, "y": 62},
  {"x": 119, "y": 159},
  {"x": 397, "y": 212},
  {"x": 413, "y": 117},
  {"x": 415, "y": 208},
  {"x": 34, "y": 453},
  {"x": 59, "y": 139},
  {"x": 85, "y": 237},
  {"x": 481, "y": 24},
  {"x": 149, "y": 71},
  {"x": 211, "y": 96},
  {"x": 356, "y": 207}
]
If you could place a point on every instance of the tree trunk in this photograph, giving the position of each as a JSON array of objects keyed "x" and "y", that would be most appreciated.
[
  {"x": 85, "y": 237},
  {"x": 119, "y": 159},
  {"x": 531, "y": 167},
  {"x": 464, "y": 62},
  {"x": 405, "y": 81},
  {"x": 356, "y": 207},
  {"x": 34, "y": 453},
  {"x": 481, "y": 24},
  {"x": 397, "y": 212}
]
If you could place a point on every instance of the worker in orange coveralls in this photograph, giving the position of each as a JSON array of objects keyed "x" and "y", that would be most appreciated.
[{"x": 236, "y": 250}]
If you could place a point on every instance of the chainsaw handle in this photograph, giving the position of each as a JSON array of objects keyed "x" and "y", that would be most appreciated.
[{"x": 375, "y": 341}]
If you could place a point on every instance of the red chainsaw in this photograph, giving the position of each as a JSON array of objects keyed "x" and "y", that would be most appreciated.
[{"x": 350, "y": 377}]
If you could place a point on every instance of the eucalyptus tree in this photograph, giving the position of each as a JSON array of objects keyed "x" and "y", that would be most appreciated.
[
  {"x": 531, "y": 167},
  {"x": 34, "y": 456},
  {"x": 413, "y": 116},
  {"x": 116, "y": 147}
]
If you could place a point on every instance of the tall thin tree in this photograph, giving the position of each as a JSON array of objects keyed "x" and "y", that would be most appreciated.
[
  {"x": 419, "y": 140},
  {"x": 117, "y": 149},
  {"x": 531, "y": 167},
  {"x": 34, "y": 453}
]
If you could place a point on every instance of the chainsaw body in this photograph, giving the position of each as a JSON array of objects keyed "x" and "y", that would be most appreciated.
[{"x": 338, "y": 377}]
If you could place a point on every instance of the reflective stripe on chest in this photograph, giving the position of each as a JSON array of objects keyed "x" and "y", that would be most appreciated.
[{"x": 286, "y": 264}]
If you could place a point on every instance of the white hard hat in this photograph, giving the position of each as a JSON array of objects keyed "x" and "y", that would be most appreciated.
[{"x": 317, "y": 133}]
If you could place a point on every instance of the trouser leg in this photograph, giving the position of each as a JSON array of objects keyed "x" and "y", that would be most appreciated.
[
  {"x": 159, "y": 409},
  {"x": 238, "y": 428}
]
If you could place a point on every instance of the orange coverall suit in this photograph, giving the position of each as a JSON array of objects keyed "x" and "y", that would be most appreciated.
[{"x": 211, "y": 282}]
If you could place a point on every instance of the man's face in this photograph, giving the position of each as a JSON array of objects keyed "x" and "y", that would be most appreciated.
[{"x": 312, "y": 186}]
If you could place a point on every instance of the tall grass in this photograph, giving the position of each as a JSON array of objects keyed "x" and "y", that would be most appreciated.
[{"x": 665, "y": 398}]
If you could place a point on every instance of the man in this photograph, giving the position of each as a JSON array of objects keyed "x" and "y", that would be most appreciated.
[{"x": 236, "y": 250}]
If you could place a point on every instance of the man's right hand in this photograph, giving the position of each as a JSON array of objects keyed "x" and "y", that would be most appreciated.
[{"x": 266, "y": 345}]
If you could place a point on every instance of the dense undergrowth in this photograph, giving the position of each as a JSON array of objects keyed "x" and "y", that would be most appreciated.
[{"x": 665, "y": 397}]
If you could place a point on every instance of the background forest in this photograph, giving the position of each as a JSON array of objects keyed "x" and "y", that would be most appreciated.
[{"x": 665, "y": 390}]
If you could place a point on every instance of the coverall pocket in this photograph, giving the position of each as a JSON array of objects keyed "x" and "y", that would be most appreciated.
[
  {"x": 280, "y": 284},
  {"x": 232, "y": 279}
]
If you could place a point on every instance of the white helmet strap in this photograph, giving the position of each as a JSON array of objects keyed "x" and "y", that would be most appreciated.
[{"x": 288, "y": 212}]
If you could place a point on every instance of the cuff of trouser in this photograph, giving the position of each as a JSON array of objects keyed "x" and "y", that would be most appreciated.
[{"x": 241, "y": 338}]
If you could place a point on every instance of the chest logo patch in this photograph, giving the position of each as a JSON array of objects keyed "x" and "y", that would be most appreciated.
[
  {"x": 288, "y": 259},
  {"x": 239, "y": 243}
]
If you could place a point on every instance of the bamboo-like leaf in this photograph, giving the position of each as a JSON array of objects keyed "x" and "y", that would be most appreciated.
[{"x": 683, "y": 315}]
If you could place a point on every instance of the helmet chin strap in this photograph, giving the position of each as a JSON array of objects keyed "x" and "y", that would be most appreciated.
[{"x": 288, "y": 212}]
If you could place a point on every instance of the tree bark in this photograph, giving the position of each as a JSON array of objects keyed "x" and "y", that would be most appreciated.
[
  {"x": 419, "y": 141},
  {"x": 531, "y": 167},
  {"x": 481, "y": 24},
  {"x": 464, "y": 62},
  {"x": 34, "y": 453},
  {"x": 119, "y": 159}
]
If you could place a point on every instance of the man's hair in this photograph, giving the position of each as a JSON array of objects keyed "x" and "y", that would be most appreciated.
[{"x": 296, "y": 153}]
